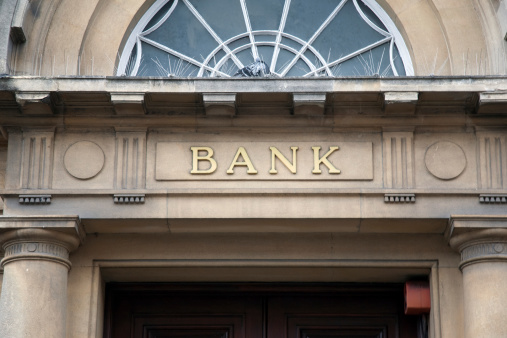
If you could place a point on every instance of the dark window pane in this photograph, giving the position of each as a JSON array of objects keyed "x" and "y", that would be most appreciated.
[
  {"x": 305, "y": 17},
  {"x": 213, "y": 13},
  {"x": 183, "y": 33},
  {"x": 336, "y": 44},
  {"x": 264, "y": 14}
]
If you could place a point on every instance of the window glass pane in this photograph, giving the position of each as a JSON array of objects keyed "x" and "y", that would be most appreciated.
[
  {"x": 339, "y": 45},
  {"x": 260, "y": 38},
  {"x": 216, "y": 58},
  {"x": 370, "y": 15},
  {"x": 156, "y": 62},
  {"x": 266, "y": 53},
  {"x": 229, "y": 67},
  {"x": 183, "y": 33},
  {"x": 246, "y": 56},
  {"x": 159, "y": 15},
  {"x": 265, "y": 14},
  {"x": 305, "y": 17},
  {"x": 291, "y": 43},
  {"x": 372, "y": 63},
  {"x": 299, "y": 69},
  {"x": 284, "y": 58},
  {"x": 238, "y": 43},
  {"x": 213, "y": 13}
]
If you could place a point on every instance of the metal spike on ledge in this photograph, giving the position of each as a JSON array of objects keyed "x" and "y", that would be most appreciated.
[
  {"x": 399, "y": 198},
  {"x": 128, "y": 198}
]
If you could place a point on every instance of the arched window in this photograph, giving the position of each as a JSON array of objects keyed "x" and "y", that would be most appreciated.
[{"x": 217, "y": 38}]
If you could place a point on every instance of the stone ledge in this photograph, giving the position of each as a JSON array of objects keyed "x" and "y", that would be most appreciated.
[{"x": 66, "y": 224}]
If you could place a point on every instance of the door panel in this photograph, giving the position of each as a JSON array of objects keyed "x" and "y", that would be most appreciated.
[
  {"x": 335, "y": 314},
  {"x": 256, "y": 311},
  {"x": 152, "y": 312},
  {"x": 182, "y": 325}
]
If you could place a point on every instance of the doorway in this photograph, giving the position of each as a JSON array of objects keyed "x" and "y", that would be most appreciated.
[{"x": 246, "y": 310}]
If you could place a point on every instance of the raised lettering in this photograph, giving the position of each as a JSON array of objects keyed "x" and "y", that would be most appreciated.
[
  {"x": 245, "y": 163},
  {"x": 317, "y": 161},
  {"x": 275, "y": 153},
  {"x": 208, "y": 157}
]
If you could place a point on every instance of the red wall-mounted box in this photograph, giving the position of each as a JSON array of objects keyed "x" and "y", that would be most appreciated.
[{"x": 417, "y": 298}]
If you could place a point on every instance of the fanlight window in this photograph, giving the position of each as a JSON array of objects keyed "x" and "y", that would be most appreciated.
[{"x": 277, "y": 38}]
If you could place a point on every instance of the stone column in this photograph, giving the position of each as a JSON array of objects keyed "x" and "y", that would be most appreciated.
[
  {"x": 36, "y": 263},
  {"x": 482, "y": 243}
]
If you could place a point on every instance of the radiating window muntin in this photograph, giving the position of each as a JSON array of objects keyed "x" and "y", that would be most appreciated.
[{"x": 215, "y": 38}]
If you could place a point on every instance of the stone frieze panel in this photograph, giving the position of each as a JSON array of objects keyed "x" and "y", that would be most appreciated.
[
  {"x": 84, "y": 161},
  {"x": 141, "y": 160}
]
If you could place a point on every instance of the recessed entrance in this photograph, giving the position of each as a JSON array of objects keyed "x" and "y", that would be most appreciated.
[{"x": 256, "y": 311}]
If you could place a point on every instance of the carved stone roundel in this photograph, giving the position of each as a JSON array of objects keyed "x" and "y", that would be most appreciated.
[
  {"x": 84, "y": 159},
  {"x": 445, "y": 160}
]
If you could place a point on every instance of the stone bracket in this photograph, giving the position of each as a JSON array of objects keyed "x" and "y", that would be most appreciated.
[
  {"x": 34, "y": 199},
  {"x": 492, "y": 103},
  {"x": 35, "y": 103},
  {"x": 128, "y": 198},
  {"x": 219, "y": 104},
  {"x": 309, "y": 103},
  {"x": 400, "y": 103},
  {"x": 399, "y": 198},
  {"x": 128, "y": 103},
  {"x": 17, "y": 31},
  {"x": 492, "y": 199}
]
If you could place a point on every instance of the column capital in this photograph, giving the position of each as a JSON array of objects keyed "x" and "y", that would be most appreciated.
[
  {"x": 49, "y": 238},
  {"x": 478, "y": 238}
]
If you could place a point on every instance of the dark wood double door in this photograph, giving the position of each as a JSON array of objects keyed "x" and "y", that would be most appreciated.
[{"x": 256, "y": 311}]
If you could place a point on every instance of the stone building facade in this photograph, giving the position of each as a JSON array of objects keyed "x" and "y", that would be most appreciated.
[{"x": 160, "y": 201}]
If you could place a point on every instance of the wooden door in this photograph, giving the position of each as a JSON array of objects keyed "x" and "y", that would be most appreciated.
[{"x": 256, "y": 311}]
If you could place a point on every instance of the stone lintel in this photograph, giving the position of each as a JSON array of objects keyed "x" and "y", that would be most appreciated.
[
  {"x": 128, "y": 103},
  {"x": 400, "y": 102},
  {"x": 492, "y": 103},
  {"x": 35, "y": 103},
  {"x": 309, "y": 103},
  {"x": 219, "y": 104},
  {"x": 67, "y": 224}
]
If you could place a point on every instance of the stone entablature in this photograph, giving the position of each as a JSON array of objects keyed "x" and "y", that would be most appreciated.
[{"x": 84, "y": 141}]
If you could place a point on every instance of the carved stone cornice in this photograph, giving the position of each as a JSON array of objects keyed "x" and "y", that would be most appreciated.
[{"x": 478, "y": 238}]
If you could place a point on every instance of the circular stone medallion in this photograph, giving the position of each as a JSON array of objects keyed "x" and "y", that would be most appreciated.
[
  {"x": 84, "y": 159},
  {"x": 445, "y": 160}
]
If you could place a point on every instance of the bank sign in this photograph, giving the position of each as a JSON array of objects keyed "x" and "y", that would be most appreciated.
[{"x": 264, "y": 161}]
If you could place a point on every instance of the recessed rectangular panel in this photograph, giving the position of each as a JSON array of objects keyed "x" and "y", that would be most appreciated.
[
  {"x": 158, "y": 332},
  {"x": 275, "y": 161}
]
